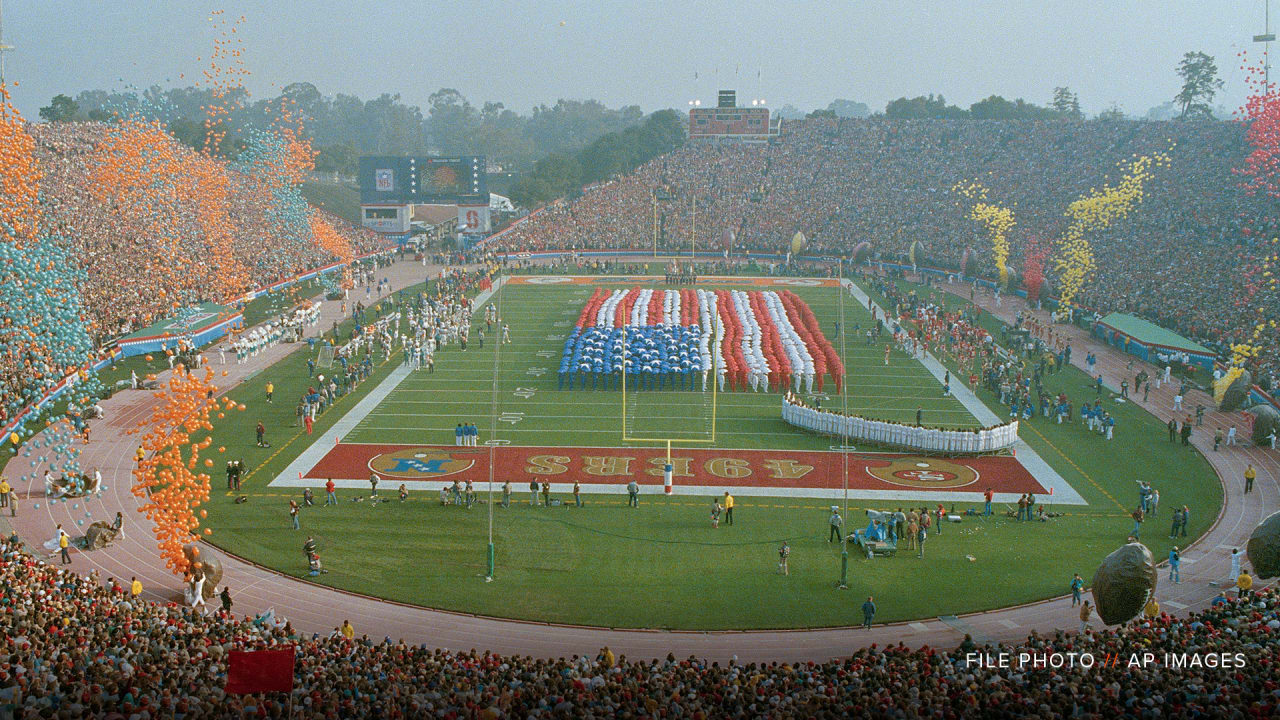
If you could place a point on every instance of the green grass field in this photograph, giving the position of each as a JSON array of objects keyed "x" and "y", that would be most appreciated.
[
  {"x": 428, "y": 406},
  {"x": 662, "y": 565}
]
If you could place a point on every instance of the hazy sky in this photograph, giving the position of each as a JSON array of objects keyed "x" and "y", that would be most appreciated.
[{"x": 646, "y": 53}]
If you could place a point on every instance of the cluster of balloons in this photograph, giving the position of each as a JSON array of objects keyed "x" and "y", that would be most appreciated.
[
  {"x": 1261, "y": 169},
  {"x": 145, "y": 175},
  {"x": 337, "y": 245},
  {"x": 1095, "y": 212},
  {"x": 998, "y": 220},
  {"x": 170, "y": 478},
  {"x": 52, "y": 450},
  {"x": 224, "y": 77},
  {"x": 43, "y": 338},
  {"x": 1035, "y": 254}
]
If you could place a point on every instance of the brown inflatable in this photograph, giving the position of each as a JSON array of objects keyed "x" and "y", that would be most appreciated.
[
  {"x": 99, "y": 535},
  {"x": 202, "y": 559},
  {"x": 1123, "y": 583},
  {"x": 1264, "y": 547}
]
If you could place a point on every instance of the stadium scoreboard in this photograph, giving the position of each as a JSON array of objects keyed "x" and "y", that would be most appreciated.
[
  {"x": 389, "y": 180},
  {"x": 729, "y": 121}
]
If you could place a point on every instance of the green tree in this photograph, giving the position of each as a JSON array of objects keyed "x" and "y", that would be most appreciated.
[
  {"x": 849, "y": 108},
  {"x": 996, "y": 107},
  {"x": 337, "y": 158},
  {"x": 1112, "y": 114},
  {"x": 61, "y": 109},
  {"x": 922, "y": 107},
  {"x": 1200, "y": 83},
  {"x": 1066, "y": 103},
  {"x": 822, "y": 113}
]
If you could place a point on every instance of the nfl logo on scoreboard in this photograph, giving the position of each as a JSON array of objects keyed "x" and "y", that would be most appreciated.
[{"x": 383, "y": 180}]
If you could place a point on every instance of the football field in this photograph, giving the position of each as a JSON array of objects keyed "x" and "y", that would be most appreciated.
[
  {"x": 663, "y": 565},
  {"x": 531, "y": 411}
]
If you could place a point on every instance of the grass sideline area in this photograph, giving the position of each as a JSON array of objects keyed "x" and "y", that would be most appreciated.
[{"x": 662, "y": 565}]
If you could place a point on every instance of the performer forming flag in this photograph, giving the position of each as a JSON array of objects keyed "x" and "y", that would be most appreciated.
[
  {"x": 675, "y": 339},
  {"x": 260, "y": 671}
]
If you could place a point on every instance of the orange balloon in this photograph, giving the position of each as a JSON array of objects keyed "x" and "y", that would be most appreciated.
[
  {"x": 207, "y": 531},
  {"x": 204, "y": 513},
  {"x": 208, "y": 462},
  {"x": 148, "y": 358}
]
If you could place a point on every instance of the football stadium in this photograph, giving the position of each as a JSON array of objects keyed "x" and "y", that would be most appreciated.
[{"x": 323, "y": 407}]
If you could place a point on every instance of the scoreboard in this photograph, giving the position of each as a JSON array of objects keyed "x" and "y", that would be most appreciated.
[
  {"x": 394, "y": 180},
  {"x": 729, "y": 122}
]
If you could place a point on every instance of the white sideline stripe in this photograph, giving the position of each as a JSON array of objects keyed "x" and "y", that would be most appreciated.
[
  {"x": 1063, "y": 493},
  {"x": 353, "y": 417},
  {"x": 1008, "y": 623},
  {"x": 1175, "y": 605},
  {"x": 653, "y": 486},
  {"x": 918, "y": 627}
]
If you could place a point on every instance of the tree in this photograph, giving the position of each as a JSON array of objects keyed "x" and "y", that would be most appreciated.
[
  {"x": 827, "y": 113},
  {"x": 61, "y": 109},
  {"x": 1200, "y": 83},
  {"x": 849, "y": 108},
  {"x": 998, "y": 108},
  {"x": 921, "y": 107},
  {"x": 1066, "y": 103},
  {"x": 1111, "y": 114}
]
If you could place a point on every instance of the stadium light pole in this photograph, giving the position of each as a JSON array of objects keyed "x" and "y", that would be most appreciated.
[
  {"x": 844, "y": 450},
  {"x": 3, "y": 47},
  {"x": 655, "y": 223},
  {"x": 1265, "y": 38},
  {"x": 493, "y": 430}
]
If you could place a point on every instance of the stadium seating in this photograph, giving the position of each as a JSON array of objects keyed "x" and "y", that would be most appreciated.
[
  {"x": 166, "y": 660},
  {"x": 1177, "y": 260}
]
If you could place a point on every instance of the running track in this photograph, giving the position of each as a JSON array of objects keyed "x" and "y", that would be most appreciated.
[{"x": 313, "y": 608}]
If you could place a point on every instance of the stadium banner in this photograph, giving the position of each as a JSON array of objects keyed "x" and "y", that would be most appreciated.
[
  {"x": 115, "y": 352},
  {"x": 776, "y": 473},
  {"x": 210, "y": 322}
]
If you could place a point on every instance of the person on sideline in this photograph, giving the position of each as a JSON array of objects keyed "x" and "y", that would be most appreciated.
[
  {"x": 1077, "y": 588},
  {"x": 1086, "y": 610},
  {"x": 868, "y": 612}
]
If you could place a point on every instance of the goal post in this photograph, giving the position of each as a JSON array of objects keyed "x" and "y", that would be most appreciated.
[{"x": 324, "y": 358}]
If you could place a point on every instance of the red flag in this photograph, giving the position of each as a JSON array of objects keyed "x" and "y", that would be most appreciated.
[{"x": 260, "y": 671}]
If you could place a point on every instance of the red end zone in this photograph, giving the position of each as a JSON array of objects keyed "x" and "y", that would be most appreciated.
[{"x": 713, "y": 468}]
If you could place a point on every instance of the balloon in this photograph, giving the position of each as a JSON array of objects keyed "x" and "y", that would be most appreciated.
[{"x": 797, "y": 243}]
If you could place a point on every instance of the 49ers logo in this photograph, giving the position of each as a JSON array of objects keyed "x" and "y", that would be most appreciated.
[
  {"x": 924, "y": 473},
  {"x": 415, "y": 464}
]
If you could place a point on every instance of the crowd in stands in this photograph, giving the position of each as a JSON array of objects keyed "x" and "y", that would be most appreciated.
[
  {"x": 77, "y": 646},
  {"x": 1176, "y": 260},
  {"x": 115, "y": 247},
  {"x": 119, "y": 252}
]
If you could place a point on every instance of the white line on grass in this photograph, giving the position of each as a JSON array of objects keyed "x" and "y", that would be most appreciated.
[{"x": 1030, "y": 459}]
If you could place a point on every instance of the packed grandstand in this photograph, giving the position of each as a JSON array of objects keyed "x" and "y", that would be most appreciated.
[
  {"x": 889, "y": 182},
  {"x": 84, "y": 647}
]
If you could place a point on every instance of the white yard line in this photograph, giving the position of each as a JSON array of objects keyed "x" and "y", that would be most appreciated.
[
  {"x": 356, "y": 415},
  {"x": 1063, "y": 493}
]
